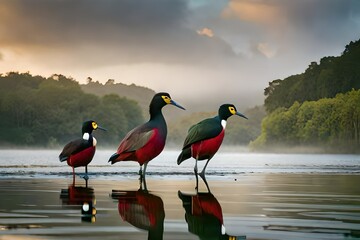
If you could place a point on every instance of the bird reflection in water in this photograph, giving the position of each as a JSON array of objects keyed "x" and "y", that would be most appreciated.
[
  {"x": 142, "y": 210},
  {"x": 83, "y": 197},
  {"x": 203, "y": 215}
]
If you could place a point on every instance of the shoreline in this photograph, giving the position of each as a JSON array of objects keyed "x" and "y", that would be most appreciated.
[{"x": 277, "y": 149}]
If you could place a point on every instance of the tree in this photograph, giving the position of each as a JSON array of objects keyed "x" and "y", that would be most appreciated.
[
  {"x": 39, "y": 112},
  {"x": 331, "y": 76}
]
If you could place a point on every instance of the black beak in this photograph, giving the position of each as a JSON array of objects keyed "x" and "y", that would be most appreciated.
[
  {"x": 177, "y": 105},
  {"x": 101, "y": 128},
  {"x": 241, "y": 115}
]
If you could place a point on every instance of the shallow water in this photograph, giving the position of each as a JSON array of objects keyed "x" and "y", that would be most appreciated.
[
  {"x": 45, "y": 163},
  {"x": 257, "y": 196},
  {"x": 258, "y": 206}
]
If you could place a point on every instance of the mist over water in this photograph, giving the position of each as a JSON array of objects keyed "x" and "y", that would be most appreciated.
[{"x": 45, "y": 163}]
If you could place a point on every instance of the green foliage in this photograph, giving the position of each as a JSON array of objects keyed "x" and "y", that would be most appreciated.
[
  {"x": 333, "y": 123},
  {"x": 332, "y": 76},
  {"x": 37, "y": 111},
  {"x": 142, "y": 95},
  {"x": 319, "y": 107}
]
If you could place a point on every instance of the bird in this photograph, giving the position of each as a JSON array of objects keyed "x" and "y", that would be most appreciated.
[
  {"x": 204, "y": 216},
  {"x": 80, "y": 197},
  {"x": 80, "y": 152},
  {"x": 146, "y": 141},
  {"x": 142, "y": 210},
  {"x": 205, "y": 138}
]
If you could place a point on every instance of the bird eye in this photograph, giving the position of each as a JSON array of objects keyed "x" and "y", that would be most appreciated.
[
  {"x": 94, "y": 125},
  {"x": 232, "y": 110},
  {"x": 166, "y": 99}
]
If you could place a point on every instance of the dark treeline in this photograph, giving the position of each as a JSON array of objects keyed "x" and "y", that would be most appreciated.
[
  {"x": 48, "y": 112},
  {"x": 318, "y": 108},
  {"x": 332, "y": 76},
  {"x": 141, "y": 95},
  {"x": 330, "y": 123},
  {"x": 38, "y": 111}
]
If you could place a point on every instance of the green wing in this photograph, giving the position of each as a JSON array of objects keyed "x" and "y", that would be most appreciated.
[{"x": 208, "y": 128}]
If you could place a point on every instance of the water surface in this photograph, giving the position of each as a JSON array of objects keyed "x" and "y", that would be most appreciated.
[
  {"x": 45, "y": 163},
  {"x": 260, "y": 196}
]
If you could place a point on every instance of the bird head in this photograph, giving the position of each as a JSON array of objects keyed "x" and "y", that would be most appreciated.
[
  {"x": 89, "y": 126},
  {"x": 227, "y": 110},
  {"x": 162, "y": 99}
]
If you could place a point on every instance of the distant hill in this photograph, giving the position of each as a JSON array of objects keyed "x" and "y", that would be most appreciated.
[
  {"x": 142, "y": 95},
  {"x": 331, "y": 76},
  {"x": 48, "y": 112},
  {"x": 317, "y": 110}
]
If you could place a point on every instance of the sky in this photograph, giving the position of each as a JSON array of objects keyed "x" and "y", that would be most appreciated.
[{"x": 203, "y": 52}]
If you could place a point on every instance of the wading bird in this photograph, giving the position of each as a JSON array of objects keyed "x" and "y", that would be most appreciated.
[
  {"x": 146, "y": 141},
  {"x": 80, "y": 152},
  {"x": 204, "y": 216},
  {"x": 142, "y": 210},
  {"x": 204, "y": 138}
]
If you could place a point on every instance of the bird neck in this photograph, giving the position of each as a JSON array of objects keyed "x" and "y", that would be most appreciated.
[
  {"x": 88, "y": 137},
  {"x": 222, "y": 121},
  {"x": 155, "y": 113},
  {"x": 157, "y": 120}
]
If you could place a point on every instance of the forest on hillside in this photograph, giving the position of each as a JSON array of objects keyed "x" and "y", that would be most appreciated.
[
  {"x": 318, "y": 108},
  {"x": 330, "y": 123},
  {"x": 141, "y": 95},
  {"x": 331, "y": 76},
  {"x": 48, "y": 112}
]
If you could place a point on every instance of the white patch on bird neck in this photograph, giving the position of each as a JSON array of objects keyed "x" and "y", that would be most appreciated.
[
  {"x": 223, "y": 123},
  {"x": 94, "y": 142},
  {"x": 86, "y": 136},
  {"x": 86, "y": 207},
  {"x": 223, "y": 230}
]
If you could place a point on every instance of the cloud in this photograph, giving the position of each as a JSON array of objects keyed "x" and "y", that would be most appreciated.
[
  {"x": 206, "y": 32},
  {"x": 128, "y": 32},
  {"x": 266, "y": 50},
  {"x": 165, "y": 45},
  {"x": 253, "y": 11}
]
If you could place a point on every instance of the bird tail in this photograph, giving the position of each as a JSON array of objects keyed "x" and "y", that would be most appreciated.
[
  {"x": 113, "y": 158},
  {"x": 185, "y": 154},
  {"x": 63, "y": 158}
]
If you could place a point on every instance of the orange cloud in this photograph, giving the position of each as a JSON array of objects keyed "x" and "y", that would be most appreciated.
[
  {"x": 252, "y": 11},
  {"x": 206, "y": 32}
]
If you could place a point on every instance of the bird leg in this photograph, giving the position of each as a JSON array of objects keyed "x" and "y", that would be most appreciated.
[
  {"x": 73, "y": 176},
  {"x": 142, "y": 178},
  {"x": 86, "y": 177},
  {"x": 145, "y": 166},
  {"x": 140, "y": 174},
  {"x": 202, "y": 173},
  {"x": 196, "y": 175}
]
